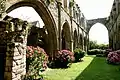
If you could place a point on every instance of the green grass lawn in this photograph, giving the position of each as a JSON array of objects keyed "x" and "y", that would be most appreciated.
[
  {"x": 92, "y": 68},
  {"x": 69, "y": 73},
  {"x": 100, "y": 70}
]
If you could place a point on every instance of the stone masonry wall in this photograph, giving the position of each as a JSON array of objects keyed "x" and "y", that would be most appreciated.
[{"x": 15, "y": 38}]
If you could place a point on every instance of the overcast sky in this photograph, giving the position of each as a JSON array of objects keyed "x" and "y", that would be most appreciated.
[
  {"x": 90, "y": 8},
  {"x": 95, "y": 8}
]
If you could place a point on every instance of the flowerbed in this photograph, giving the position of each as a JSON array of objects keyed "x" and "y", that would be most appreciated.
[
  {"x": 114, "y": 57},
  {"x": 36, "y": 61},
  {"x": 95, "y": 51},
  {"x": 62, "y": 58},
  {"x": 78, "y": 54}
]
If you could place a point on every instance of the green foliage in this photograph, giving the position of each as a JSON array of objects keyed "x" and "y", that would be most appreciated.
[
  {"x": 78, "y": 54},
  {"x": 94, "y": 45},
  {"x": 36, "y": 62},
  {"x": 68, "y": 73},
  {"x": 95, "y": 51}
]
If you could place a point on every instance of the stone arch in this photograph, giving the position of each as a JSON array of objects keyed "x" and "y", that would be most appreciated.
[
  {"x": 66, "y": 37},
  {"x": 45, "y": 15},
  {"x": 99, "y": 32},
  {"x": 92, "y": 22},
  {"x": 75, "y": 39}
]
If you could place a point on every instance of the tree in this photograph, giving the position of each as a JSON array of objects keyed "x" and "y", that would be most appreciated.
[{"x": 94, "y": 45}]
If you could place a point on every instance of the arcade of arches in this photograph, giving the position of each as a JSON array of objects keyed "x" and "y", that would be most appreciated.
[{"x": 65, "y": 28}]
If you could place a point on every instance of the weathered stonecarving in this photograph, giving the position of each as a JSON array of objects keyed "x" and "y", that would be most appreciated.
[{"x": 65, "y": 25}]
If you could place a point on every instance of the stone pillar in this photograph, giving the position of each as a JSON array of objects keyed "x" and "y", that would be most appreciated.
[
  {"x": 15, "y": 59},
  {"x": 71, "y": 33},
  {"x": 117, "y": 41},
  {"x": 3, "y": 49},
  {"x": 119, "y": 36},
  {"x": 110, "y": 41},
  {"x": 59, "y": 24},
  {"x": 82, "y": 40}
]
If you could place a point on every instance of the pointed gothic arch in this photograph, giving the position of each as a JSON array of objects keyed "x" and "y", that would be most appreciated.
[
  {"x": 75, "y": 38},
  {"x": 45, "y": 15},
  {"x": 66, "y": 37}
]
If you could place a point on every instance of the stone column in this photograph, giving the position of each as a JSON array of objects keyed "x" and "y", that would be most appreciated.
[
  {"x": 110, "y": 41},
  {"x": 71, "y": 32},
  {"x": 119, "y": 36},
  {"x": 59, "y": 24},
  {"x": 82, "y": 40},
  {"x": 3, "y": 49}
]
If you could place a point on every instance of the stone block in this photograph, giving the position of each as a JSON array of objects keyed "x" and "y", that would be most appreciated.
[
  {"x": 9, "y": 53},
  {"x": 19, "y": 71},
  {"x": 9, "y": 62},
  {"x": 17, "y": 68},
  {"x": 18, "y": 62},
  {"x": 16, "y": 79},
  {"x": 14, "y": 64},
  {"x": 14, "y": 69},
  {"x": 17, "y": 57},
  {"x": 19, "y": 77},
  {"x": 13, "y": 75},
  {"x": 2, "y": 29},
  {"x": 16, "y": 53},
  {"x": 15, "y": 49},
  {"x": 6, "y": 69},
  {"x": 7, "y": 76}
]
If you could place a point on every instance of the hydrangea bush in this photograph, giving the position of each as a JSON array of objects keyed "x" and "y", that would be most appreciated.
[
  {"x": 78, "y": 54},
  {"x": 107, "y": 51},
  {"x": 63, "y": 58},
  {"x": 114, "y": 57},
  {"x": 36, "y": 61}
]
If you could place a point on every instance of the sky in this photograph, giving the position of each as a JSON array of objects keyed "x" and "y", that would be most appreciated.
[
  {"x": 91, "y": 9},
  {"x": 26, "y": 13},
  {"x": 99, "y": 33},
  {"x": 95, "y": 8}
]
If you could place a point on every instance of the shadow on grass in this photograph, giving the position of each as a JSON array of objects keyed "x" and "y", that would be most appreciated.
[{"x": 98, "y": 69}]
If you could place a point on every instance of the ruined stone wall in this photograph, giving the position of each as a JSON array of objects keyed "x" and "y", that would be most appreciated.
[
  {"x": 53, "y": 7},
  {"x": 14, "y": 36},
  {"x": 114, "y": 24}
]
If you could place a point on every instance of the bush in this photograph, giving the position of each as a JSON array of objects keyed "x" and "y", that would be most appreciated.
[
  {"x": 63, "y": 58},
  {"x": 95, "y": 51},
  {"x": 78, "y": 54},
  {"x": 94, "y": 45},
  {"x": 114, "y": 57},
  {"x": 107, "y": 51},
  {"x": 36, "y": 61}
]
